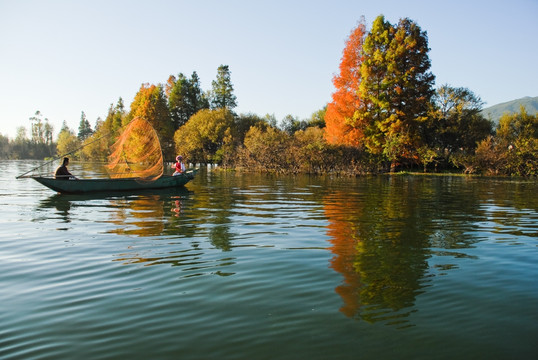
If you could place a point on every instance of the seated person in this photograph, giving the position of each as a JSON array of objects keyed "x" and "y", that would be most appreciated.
[
  {"x": 62, "y": 173},
  {"x": 179, "y": 166}
]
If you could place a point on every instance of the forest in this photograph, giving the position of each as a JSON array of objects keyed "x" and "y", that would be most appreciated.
[{"x": 385, "y": 115}]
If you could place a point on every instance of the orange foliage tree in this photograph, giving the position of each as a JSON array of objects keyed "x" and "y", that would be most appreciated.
[
  {"x": 340, "y": 128},
  {"x": 150, "y": 104}
]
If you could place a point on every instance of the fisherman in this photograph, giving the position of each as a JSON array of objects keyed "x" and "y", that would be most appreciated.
[
  {"x": 62, "y": 173},
  {"x": 179, "y": 166}
]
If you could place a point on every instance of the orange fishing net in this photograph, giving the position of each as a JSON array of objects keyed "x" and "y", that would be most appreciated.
[{"x": 136, "y": 153}]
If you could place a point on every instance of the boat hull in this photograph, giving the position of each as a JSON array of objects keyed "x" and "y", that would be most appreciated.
[{"x": 82, "y": 186}]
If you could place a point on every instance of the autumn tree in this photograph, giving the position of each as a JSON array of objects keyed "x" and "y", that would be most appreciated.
[
  {"x": 311, "y": 148},
  {"x": 222, "y": 96},
  {"x": 411, "y": 91},
  {"x": 341, "y": 126},
  {"x": 517, "y": 142},
  {"x": 96, "y": 146},
  {"x": 67, "y": 141},
  {"x": 206, "y": 136},
  {"x": 150, "y": 104},
  {"x": 266, "y": 147},
  {"x": 115, "y": 119},
  {"x": 383, "y": 90},
  {"x": 244, "y": 122},
  {"x": 517, "y": 126},
  {"x": 373, "y": 86},
  {"x": 396, "y": 88}
]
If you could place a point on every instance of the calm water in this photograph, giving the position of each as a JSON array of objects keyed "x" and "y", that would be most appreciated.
[{"x": 261, "y": 267}]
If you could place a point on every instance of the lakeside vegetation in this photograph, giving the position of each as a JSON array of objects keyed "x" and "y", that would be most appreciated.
[{"x": 385, "y": 115}]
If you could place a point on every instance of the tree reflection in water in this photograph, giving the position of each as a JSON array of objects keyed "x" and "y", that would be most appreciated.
[
  {"x": 389, "y": 235},
  {"x": 381, "y": 235}
]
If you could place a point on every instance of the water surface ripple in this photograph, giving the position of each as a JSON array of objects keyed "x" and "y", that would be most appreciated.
[{"x": 241, "y": 266}]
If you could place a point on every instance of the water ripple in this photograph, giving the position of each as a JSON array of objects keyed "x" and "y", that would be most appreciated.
[{"x": 270, "y": 267}]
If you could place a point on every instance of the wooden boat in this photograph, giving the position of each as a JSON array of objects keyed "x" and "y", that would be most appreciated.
[
  {"x": 136, "y": 151},
  {"x": 82, "y": 186}
]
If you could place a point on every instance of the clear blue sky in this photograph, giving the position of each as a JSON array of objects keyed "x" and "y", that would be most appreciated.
[{"x": 63, "y": 57}]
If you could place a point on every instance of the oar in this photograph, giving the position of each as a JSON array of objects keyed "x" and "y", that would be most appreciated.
[{"x": 22, "y": 175}]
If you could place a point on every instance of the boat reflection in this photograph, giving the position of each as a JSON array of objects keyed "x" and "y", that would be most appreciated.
[
  {"x": 138, "y": 213},
  {"x": 62, "y": 206},
  {"x": 167, "y": 220}
]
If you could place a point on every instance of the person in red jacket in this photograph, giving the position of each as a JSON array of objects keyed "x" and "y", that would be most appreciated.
[{"x": 179, "y": 166}]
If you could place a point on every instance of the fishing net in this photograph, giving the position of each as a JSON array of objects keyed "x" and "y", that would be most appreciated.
[{"x": 136, "y": 153}]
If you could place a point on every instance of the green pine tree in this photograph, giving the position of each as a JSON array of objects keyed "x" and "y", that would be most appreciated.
[{"x": 222, "y": 96}]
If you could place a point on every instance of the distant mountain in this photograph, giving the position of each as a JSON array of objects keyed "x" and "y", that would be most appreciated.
[{"x": 496, "y": 111}]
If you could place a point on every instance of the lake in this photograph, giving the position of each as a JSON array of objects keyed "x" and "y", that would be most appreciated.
[{"x": 248, "y": 266}]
